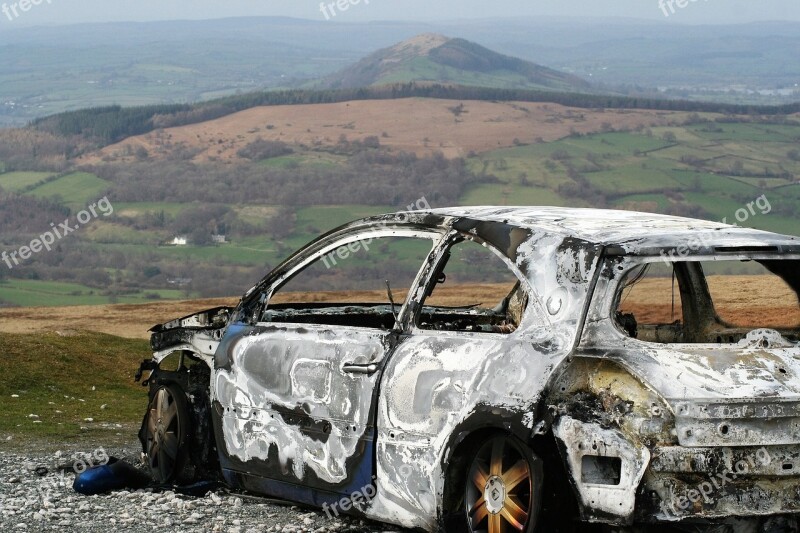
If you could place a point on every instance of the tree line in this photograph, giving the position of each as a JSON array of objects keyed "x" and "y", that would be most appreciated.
[
  {"x": 111, "y": 124},
  {"x": 368, "y": 177}
]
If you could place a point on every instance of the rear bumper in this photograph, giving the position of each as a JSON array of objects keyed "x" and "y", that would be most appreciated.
[{"x": 710, "y": 483}]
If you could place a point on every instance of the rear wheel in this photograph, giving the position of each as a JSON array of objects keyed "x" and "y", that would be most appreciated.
[
  {"x": 503, "y": 489},
  {"x": 166, "y": 434}
]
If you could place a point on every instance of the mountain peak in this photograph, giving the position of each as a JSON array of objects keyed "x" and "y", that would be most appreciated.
[
  {"x": 424, "y": 42},
  {"x": 431, "y": 57},
  {"x": 418, "y": 46}
]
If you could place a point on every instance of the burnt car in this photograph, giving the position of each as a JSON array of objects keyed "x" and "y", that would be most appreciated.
[{"x": 500, "y": 369}]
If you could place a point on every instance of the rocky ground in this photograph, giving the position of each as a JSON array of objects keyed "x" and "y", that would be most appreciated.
[{"x": 35, "y": 495}]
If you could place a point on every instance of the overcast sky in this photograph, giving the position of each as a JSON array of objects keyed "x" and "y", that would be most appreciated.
[{"x": 693, "y": 12}]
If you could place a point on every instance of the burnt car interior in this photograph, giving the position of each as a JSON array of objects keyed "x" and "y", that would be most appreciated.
[
  {"x": 359, "y": 284},
  {"x": 473, "y": 290},
  {"x": 364, "y": 284},
  {"x": 363, "y": 315},
  {"x": 685, "y": 301}
]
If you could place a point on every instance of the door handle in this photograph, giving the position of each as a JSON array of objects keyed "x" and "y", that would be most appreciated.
[{"x": 351, "y": 368}]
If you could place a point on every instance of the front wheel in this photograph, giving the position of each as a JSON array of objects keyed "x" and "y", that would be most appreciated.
[
  {"x": 503, "y": 489},
  {"x": 166, "y": 433}
]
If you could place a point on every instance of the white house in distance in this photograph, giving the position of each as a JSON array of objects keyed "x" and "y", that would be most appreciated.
[{"x": 183, "y": 240}]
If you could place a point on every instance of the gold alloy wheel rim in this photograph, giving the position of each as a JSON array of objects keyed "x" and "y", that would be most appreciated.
[
  {"x": 499, "y": 489},
  {"x": 163, "y": 435}
]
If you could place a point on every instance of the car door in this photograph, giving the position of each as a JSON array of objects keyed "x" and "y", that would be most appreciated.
[
  {"x": 479, "y": 353},
  {"x": 296, "y": 400}
]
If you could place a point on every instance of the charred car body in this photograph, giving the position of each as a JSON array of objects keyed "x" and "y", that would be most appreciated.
[{"x": 465, "y": 369}]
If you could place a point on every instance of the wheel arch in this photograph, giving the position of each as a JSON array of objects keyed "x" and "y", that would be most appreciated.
[
  {"x": 483, "y": 424},
  {"x": 559, "y": 495},
  {"x": 192, "y": 383}
]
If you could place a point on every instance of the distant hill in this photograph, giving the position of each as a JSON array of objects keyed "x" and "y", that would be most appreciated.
[
  {"x": 435, "y": 58},
  {"x": 52, "y": 69},
  {"x": 454, "y": 128}
]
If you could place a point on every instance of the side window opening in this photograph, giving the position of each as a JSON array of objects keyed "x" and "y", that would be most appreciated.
[
  {"x": 350, "y": 284},
  {"x": 474, "y": 290},
  {"x": 709, "y": 302},
  {"x": 650, "y": 305}
]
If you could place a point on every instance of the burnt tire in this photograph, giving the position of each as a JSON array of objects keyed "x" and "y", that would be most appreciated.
[
  {"x": 166, "y": 431},
  {"x": 500, "y": 488}
]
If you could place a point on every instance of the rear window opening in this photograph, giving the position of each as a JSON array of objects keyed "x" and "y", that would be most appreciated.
[
  {"x": 709, "y": 302},
  {"x": 474, "y": 290}
]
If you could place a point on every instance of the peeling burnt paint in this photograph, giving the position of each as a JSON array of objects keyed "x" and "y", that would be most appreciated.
[
  {"x": 286, "y": 392},
  {"x": 612, "y": 495},
  {"x": 309, "y": 406},
  {"x": 199, "y": 333}
]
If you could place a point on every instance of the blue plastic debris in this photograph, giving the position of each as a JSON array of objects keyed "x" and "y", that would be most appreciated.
[{"x": 115, "y": 475}]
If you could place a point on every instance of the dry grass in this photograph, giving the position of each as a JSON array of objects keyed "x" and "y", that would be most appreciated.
[
  {"x": 124, "y": 320},
  {"x": 738, "y": 300},
  {"x": 418, "y": 125},
  {"x": 748, "y": 301},
  {"x": 134, "y": 320}
]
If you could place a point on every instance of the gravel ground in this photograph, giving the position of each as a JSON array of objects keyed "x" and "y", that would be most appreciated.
[
  {"x": 32, "y": 500},
  {"x": 35, "y": 495}
]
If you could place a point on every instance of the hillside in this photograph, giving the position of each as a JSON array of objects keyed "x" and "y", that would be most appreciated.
[
  {"x": 272, "y": 178},
  {"x": 419, "y": 125},
  {"x": 267, "y": 172},
  {"x": 438, "y": 59}
]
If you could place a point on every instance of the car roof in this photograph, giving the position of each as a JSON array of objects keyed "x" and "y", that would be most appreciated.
[{"x": 633, "y": 231}]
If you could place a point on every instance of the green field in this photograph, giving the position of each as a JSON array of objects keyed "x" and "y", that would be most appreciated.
[
  {"x": 17, "y": 181},
  {"x": 76, "y": 190},
  {"x": 63, "y": 381},
  {"x": 320, "y": 219},
  {"x": 645, "y": 172},
  {"x": 35, "y": 293},
  {"x": 321, "y": 161}
]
